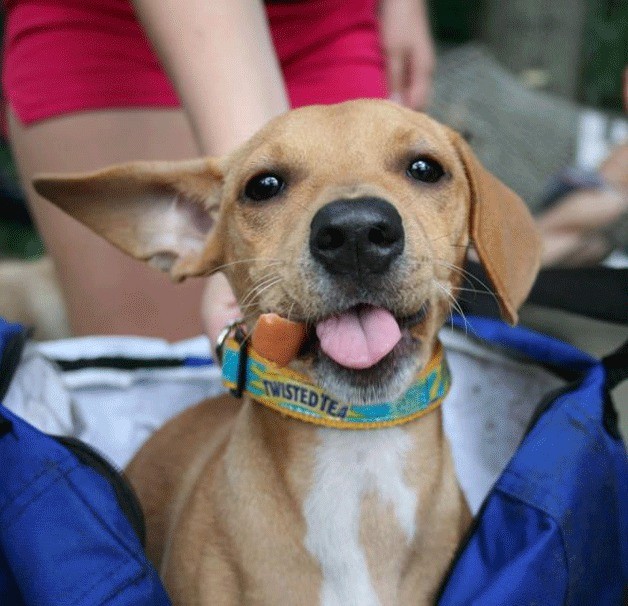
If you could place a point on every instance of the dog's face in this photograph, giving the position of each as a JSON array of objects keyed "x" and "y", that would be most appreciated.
[{"x": 354, "y": 219}]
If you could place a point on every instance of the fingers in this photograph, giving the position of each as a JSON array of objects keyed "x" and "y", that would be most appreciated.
[
  {"x": 409, "y": 51},
  {"x": 219, "y": 306},
  {"x": 396, "y": 72},
  {"x": 409, "y": 74},
  {"x": 419, "y": 87}
]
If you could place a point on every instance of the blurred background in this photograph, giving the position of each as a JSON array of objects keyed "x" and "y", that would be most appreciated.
[
  {"x": 535, "y": 86},
  {"x": 538, "y": 86},
  {"x": 576, "y": 49}
]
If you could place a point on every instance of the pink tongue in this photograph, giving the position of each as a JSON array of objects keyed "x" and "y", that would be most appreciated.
[{"x": 359, "y": 338}]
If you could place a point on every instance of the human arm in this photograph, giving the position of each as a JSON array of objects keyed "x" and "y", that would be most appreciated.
[
  {"x": 220, "y": 58},
  {"x": 408, "y": 50},
  {"x": 584, "y": 225}
]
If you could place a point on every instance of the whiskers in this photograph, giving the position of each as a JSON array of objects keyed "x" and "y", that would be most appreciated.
[
  {"x": 452, "y": 303},
  {"x": 471, "y": 279},
  {"x": 269, "y": 277},
  {"x": 445, "y": 287},
  {"x": 267, "y": 262},
  {"x": 251, "y": 298}
]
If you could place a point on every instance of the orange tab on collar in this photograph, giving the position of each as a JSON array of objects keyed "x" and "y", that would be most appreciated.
[{"x": 278, "y": 339}]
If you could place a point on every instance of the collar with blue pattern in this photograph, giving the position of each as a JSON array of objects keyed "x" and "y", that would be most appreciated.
[{"x": 293, "y": 394}]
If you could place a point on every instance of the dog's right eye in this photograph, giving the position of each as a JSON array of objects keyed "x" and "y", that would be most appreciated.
[
  {"x": 425, "y": 169},
  {"x": 264, "y": 187}
]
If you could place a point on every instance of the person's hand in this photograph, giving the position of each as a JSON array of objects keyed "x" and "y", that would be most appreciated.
[
  {"x": 219, "y": 306},
  {"x": 409, "y": 51},
  {"x": 586, "y": 225}
]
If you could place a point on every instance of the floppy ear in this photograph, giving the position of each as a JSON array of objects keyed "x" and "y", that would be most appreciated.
[
  {"x": 164, "y": 213},
  {"x": 503, "y": 233}
]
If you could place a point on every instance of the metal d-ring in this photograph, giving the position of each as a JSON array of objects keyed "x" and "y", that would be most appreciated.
[{"x": 236, "y": 327}]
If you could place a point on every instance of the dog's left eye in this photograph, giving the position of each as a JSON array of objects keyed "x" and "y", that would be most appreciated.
[
  {"x": 425, "y": 170},
  {"x": 264, "y": 187}
]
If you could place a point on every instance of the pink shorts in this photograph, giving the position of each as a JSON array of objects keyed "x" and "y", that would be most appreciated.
[{"x": 65, "y": 56}]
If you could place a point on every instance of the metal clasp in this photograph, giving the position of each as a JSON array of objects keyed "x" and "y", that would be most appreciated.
[{"x": 238, "y": 328}]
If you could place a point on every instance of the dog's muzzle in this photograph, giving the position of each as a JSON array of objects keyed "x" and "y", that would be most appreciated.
[{"x": 357, "y": 237}]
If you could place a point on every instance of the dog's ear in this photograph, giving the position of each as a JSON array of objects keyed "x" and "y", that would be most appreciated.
[
  {"x": 503, "y": 234},
  {"x": 164, "y": 213}
]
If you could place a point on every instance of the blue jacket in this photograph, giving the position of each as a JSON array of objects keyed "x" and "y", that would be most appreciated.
[
  {"x": 553, "y": 530},
  {"x": 64, "y": 539}
]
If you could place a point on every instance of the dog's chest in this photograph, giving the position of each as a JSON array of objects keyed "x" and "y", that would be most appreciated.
[{"x": 359, "y": 507}]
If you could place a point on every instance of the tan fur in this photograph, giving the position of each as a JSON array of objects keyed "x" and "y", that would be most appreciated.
[{"x": 223, "y": 484}]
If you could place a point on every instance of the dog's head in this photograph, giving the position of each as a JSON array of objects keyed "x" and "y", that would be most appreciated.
[{"x": 353, "y": 218}]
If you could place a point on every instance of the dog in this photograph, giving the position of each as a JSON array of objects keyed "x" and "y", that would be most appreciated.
[{"x": 352, "y": 221}]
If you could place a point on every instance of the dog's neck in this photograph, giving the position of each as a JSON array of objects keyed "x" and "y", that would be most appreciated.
[
  {"x": 356, "y": 494},
  {"x": 358, "y": 501},
  {"x": 295, "y": 395}
]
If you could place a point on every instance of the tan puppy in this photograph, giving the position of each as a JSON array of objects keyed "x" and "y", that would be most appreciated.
[{"x": 354, "y": 220}]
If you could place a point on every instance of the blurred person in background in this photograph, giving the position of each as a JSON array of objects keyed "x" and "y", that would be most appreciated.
[
  {"x": 89, "y": 83},
  {"x": 587, "y": 214}
]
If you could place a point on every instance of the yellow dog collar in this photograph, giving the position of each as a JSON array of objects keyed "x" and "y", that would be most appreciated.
[{"x": 292, "y": 394}]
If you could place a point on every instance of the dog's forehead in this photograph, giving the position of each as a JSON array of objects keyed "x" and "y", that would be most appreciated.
[
  {"x": 364, "y": 117},
  {"x": 355, "y": 129}
]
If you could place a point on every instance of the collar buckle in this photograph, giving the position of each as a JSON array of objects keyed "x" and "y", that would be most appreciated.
[{"x": 237, "y": 329}]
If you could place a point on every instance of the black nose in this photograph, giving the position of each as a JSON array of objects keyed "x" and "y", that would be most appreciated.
[{"x": 357, "y": 236}]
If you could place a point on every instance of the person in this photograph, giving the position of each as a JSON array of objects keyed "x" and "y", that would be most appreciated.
[
  {"x": 586, "y": 215},
  {"x": 84, "y": 89}
]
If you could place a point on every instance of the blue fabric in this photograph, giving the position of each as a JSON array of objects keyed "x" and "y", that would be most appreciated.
[
  {"x": 195, "y": 361},
  {"x": 7, "y": 331},
  {"x": 554, "y": 529},
  {"x": 63, "y": 538}
]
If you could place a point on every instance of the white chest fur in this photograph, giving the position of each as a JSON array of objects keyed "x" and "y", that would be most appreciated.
[{"x": 349, "y": 465}]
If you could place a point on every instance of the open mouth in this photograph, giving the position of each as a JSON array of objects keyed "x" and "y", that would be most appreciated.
[{"x": 362, "y": 336}]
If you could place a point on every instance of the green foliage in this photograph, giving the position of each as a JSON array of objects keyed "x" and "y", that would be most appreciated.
[
  {"x": 605, "y": 53},
  {"x": 19, "y": 241}
]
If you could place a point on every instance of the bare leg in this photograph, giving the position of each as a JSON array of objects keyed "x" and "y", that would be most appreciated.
[{"x": 105, "y": 291}]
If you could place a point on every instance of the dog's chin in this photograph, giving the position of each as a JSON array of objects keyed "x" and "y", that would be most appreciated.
[{"x": 387, "y": 380}]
